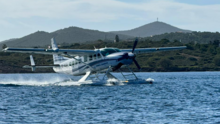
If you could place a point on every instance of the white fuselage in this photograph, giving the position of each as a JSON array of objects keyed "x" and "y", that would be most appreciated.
[{"x": 93, "y": 63}]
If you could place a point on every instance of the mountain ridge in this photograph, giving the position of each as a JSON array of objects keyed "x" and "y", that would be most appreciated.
[
  {"x": 68, "y": 35},
  {"x": 154, "y": 28},
  {"x": 72, "y": 35}
]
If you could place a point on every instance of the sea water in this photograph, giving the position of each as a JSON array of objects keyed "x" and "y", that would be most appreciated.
[{"x": 177, "y": 97}]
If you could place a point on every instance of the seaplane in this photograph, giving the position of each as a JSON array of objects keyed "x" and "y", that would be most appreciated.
[{"x": 91, "y": 63}]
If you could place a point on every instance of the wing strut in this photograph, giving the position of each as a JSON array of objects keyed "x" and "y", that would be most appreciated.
[{"x": 85, "y": 77}]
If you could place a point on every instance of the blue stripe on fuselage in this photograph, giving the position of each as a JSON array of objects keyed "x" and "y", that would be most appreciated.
[{"x": 93, "y": 63}]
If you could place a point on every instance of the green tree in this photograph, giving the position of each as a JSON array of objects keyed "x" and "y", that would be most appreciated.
[
  {"x": 116, "y": 38},
  {"x": 217, "y": 61},
  {"x": 218, "y": 50},
  {"x": 151, "y": 62},
  {"x": 165, "y": 41},
  {"x": 212, "y": 50},
  {"x": 203, "y": 47},
  {"x": 4, "y": 46},
  {"x": 216, "y": 42},
  {"x": 165, "y": 63}
]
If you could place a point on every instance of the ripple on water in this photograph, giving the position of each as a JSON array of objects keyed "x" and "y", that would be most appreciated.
[{"x": 192, "y": 97}]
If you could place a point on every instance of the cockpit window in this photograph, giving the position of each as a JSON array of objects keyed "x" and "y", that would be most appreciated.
[
  {"x": 117, "y": 50},
  {"x": 108, "y": 51}
]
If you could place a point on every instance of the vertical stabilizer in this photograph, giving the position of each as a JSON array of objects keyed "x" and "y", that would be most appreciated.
[
  {"x": 53, "y": 44},
  {"x": 57, "y": 59}
]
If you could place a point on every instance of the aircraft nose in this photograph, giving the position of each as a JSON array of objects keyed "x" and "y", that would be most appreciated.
[
  {"x": 125, "y": 55},
  {"x": 131, "y": 55}
]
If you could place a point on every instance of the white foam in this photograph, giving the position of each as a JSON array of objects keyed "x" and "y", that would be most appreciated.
[
  {"x": 55, "y": 80},
  {"x": 31, "y": 79},
  {"x": 115, "y": 82}
]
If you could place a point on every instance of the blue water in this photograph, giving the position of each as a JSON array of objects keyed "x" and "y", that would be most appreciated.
[{"x": 189, "y": 97}]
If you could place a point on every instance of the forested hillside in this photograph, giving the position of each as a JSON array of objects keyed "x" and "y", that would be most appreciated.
[
  {"x": 194, "y": 37},
  {"x": 197, "y": 57}
]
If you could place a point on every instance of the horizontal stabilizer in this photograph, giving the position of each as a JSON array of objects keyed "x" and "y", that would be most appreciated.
[
  {"x": 41, "y": 66},
  {"x": 33, "y": 66}
]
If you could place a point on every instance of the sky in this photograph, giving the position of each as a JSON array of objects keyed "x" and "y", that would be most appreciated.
[{"x": 19, "y": 18}]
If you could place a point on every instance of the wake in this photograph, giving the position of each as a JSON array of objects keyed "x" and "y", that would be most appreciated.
[
  {"x": 59, "y": 80},
  {"x": 33, "y": 79},
  {"x": 48, "y": 80}
]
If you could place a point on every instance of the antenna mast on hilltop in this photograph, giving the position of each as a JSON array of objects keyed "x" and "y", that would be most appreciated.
[{"x": 157, "y": 19}]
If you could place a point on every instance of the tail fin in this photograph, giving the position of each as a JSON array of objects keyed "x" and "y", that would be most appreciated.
[
  {"x": 54, "y": 44},
  {"x": 57, "y": 59}
]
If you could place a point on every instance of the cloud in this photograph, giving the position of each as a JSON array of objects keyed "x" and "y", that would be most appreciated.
[
  {"x": 5, "y": 24},
  {"x": 183, "y": 15},
  {"x": 106, "y": 10}
]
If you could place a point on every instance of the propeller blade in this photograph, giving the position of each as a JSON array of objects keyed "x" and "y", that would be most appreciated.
[
  {"x": 136, "y": 63},
  {"x": 135, "y": 44}
]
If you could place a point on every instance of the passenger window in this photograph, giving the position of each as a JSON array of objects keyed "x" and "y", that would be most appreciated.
[
  {"x": 99, "y": 56},
  {"x": 85, "y": 58},
  {"x": 90, "y": 58},
  {"x": 94, "y": 57}
]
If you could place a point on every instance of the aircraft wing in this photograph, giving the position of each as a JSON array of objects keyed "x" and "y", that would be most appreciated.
[
  {"x": 74, "y": 52},
  {"x": 150, "y": 50}
]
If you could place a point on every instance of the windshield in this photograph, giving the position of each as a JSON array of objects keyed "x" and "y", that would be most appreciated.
[{"x": 108, "y": 51}]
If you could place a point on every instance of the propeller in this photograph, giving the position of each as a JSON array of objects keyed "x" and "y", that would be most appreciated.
[
  {"x": 136, "y": 63},
  {"x": 134, "y": 46},
  {"x": 126, "y": 56}
]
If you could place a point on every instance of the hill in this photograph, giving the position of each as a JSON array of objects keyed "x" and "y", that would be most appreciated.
[
  {"x": 64, "y": 36},
  {"x": 154, "y": 28}
]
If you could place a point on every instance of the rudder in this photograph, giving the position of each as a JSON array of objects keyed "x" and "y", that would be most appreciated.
[{"x": 57, "y": 59}]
